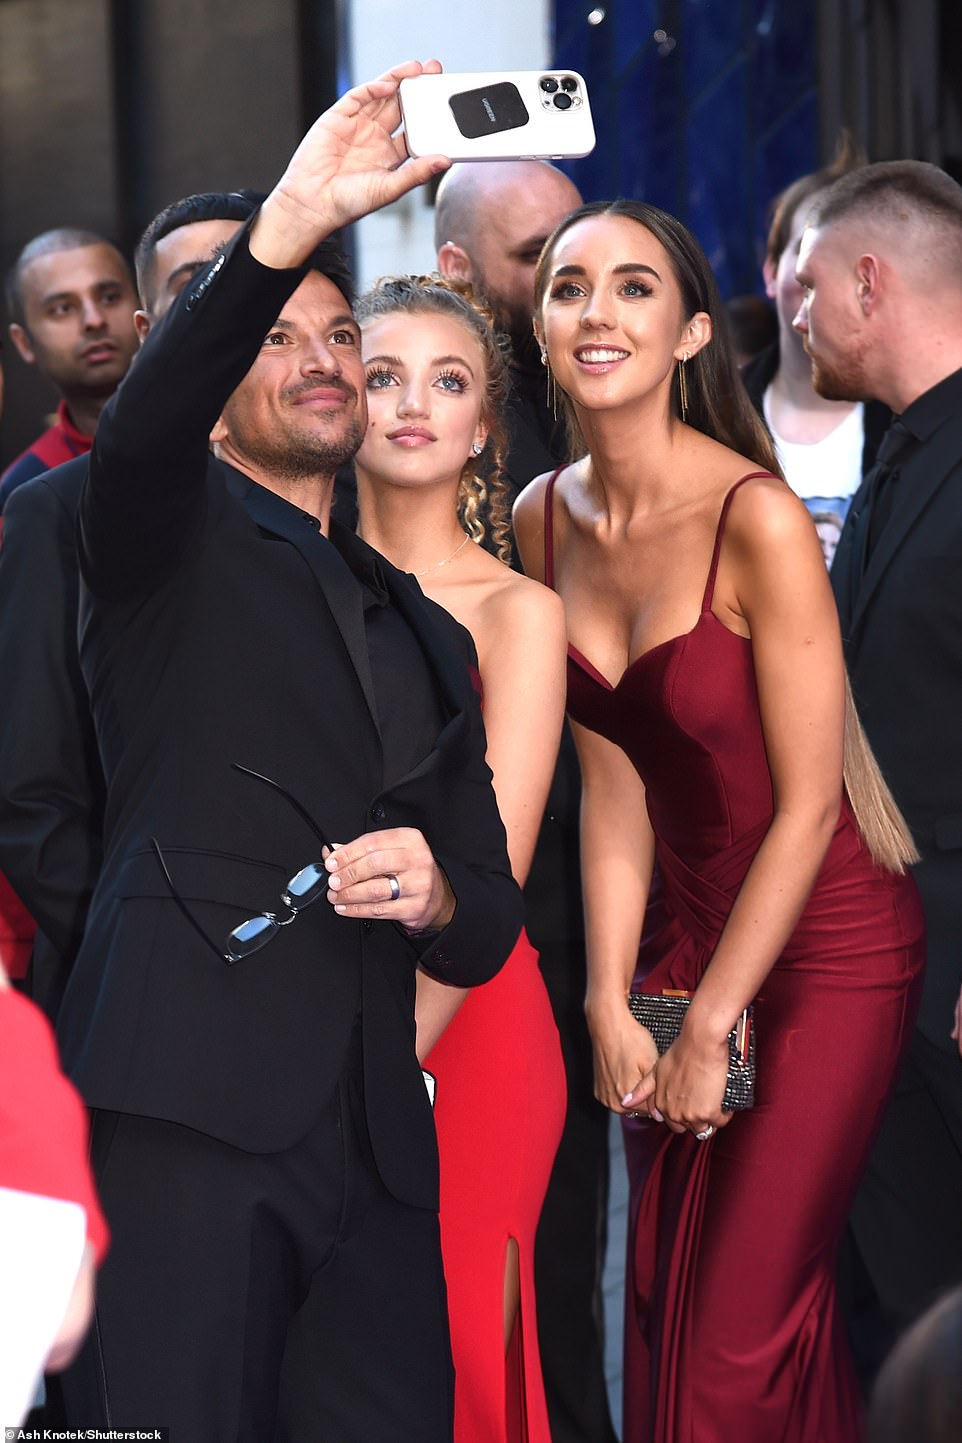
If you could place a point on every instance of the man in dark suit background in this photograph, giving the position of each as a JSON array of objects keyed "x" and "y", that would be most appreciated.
[
  {"x": 298, "y": 815},
  {"x": 881, "y": 268},
  {"x": 51, "y": 801}
]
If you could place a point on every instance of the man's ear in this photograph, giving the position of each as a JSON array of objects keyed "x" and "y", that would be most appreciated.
[
  {"x": 454, "y": 262},
  {"x": 142, "y": 325},
  {"x": 867, "y": 283},
  {"x": 21, "y": 339},
  {"x": 768, "y": 272}
]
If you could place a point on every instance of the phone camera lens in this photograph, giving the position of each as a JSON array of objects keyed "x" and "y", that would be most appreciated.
[
  {"x": 562, "y": 101},
  {"x": 549, "y": 84},
  {"x": 569, "y": 84}
]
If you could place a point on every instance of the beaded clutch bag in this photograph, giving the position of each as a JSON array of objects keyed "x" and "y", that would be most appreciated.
[{"x": 664, "y": 1012}]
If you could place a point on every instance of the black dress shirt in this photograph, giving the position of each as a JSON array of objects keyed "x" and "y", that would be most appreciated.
[{"x": 408, "y": 711}]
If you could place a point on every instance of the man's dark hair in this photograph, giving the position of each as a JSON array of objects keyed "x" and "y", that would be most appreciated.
[
  {"x": 784, "y": 207},
  {"x": 895, "y": 190},
  {"x": 50, "y": 242},
  {"x": 237, "y": 205}
]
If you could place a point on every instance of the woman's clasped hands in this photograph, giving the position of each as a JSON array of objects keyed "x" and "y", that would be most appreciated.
[{"x": 684, "y": 1087}]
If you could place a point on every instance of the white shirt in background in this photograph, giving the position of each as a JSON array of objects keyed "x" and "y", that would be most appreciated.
[{"x": 824, "y": 474}]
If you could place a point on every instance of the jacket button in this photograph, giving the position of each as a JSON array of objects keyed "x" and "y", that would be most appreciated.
[
  {"x": 366, "y": 924},
  {"x": 377, "y": 812}
]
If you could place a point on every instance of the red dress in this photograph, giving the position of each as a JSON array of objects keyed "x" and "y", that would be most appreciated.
[
  {"x": 499, "y": 1111},
  {"x": 733, "y": 1334}
]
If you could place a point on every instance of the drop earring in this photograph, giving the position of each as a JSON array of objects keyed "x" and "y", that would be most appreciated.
[
  {"x": 683, "y": 386},
  {"x": 551, "y": 386}
]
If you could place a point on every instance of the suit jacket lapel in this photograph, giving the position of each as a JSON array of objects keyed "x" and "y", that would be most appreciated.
[
  {"x": 273, "y": 513},
  {"x": 922, "y": 476},
  {"x": 449, "y": 668}
]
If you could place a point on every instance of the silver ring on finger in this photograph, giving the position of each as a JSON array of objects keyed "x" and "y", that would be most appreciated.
[
  {"x": 394, "y": 885},
  {"x": 705, "y": 1133}
]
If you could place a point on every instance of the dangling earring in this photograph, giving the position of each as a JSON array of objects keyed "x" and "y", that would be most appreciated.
[
  {"x": 683, "y": 386},
  {"x": 551, "y": 386}
]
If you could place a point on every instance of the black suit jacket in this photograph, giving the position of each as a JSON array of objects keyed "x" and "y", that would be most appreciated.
[
  {"x": 902, "y": 627},
  {"x": 218, "y": 626},
  {"x": 51, "y": 785}
]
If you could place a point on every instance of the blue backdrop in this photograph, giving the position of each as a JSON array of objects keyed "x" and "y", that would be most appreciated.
[{"x": 706, "y": 108}]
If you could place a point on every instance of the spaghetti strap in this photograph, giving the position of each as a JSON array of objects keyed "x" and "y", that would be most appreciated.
[
  {"x": 719, "y": 531},
  {"x": 549, "y": 528}
]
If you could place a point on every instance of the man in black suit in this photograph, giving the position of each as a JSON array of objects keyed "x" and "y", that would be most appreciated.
[
  {"x": 298, "y": 815},
  {"x": 881, "y": 267},
  {"x": 51, "y": 801}
]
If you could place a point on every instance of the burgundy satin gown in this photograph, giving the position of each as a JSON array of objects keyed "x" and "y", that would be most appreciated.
[{"x": 733, "y": 1334}]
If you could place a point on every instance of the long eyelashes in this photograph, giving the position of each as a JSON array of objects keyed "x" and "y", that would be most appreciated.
[
  {"x": 460, "y": 382},
  {"x": 377, "y": 372},
  {"x": 380, "y": 377}
]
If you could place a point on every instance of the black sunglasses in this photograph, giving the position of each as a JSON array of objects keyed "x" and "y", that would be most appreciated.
[{"x": 303, "y": 888}]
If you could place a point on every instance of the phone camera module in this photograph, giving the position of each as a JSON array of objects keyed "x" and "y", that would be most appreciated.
[
  {"x": 562, "y": 101},
  {"x": 569, "y": 84},
  {"x": 548, "y": 84}
]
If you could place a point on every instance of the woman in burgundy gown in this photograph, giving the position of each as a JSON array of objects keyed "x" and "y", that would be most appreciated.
[
  {"x": 435, "y": 386},
  {"x": 721, "y": 754}
]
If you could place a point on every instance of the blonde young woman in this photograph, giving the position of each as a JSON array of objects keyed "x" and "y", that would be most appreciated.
[
  {"x": 435, "y": 387},
  {"x": 720, "y": 756}
]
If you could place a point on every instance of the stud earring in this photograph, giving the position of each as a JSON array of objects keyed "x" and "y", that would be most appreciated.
[
  {"x": 683, "y": 386},
  {"x": 477, "y": 448}
]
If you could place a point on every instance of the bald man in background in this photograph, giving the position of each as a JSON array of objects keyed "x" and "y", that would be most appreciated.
[{"x": 491, "y": 222}]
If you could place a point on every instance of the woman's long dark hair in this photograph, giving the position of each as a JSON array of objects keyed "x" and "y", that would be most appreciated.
[{"x": 718, "y": 403}]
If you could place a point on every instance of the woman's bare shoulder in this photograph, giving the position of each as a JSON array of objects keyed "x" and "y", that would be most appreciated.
[
  {"x": 765, "y": 509},
  {"x": 517, "y": 602}
]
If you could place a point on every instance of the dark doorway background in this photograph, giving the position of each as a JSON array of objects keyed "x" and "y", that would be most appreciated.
[{"x": 109, "y": 109}]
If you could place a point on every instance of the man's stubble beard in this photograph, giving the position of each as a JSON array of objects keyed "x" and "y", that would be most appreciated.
[
  {"x": 297, "y": 458},
  {"x": 841, "y": 380}
]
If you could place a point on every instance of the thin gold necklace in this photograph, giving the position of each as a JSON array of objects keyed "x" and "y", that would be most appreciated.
[{"x": 438, "y": 564}]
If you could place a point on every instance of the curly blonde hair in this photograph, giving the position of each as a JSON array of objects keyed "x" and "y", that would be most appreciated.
[{"x": 484, "y": 507}]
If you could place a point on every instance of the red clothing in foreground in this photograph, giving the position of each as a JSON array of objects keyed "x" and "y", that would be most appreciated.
[{"x": 43, "y": 1123}]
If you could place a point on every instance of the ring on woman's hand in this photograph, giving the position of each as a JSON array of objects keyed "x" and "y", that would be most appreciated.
[
  {"x": 395, "y": 886},
  {"x": 705, "y": 1133}
]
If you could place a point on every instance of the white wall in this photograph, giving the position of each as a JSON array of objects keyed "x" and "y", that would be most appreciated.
[{"x": 485, "y": 35}]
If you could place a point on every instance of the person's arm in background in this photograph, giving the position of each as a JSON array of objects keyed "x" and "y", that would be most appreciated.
[{"x": 522, "y": 658}]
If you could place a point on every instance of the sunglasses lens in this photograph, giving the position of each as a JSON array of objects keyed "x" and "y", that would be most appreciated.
[
  {"x": 250, "y": 935},
  {"x": 309, "y": 883}
]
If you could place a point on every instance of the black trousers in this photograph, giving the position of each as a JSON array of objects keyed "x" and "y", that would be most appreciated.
[
  {"x": 570, "y": 1245},
  {"x": 214, "y": 1251},
  {"x": 904, "y": 1240}
]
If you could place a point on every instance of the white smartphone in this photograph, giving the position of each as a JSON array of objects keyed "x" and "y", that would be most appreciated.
[{"x": 498, "y": 115}]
